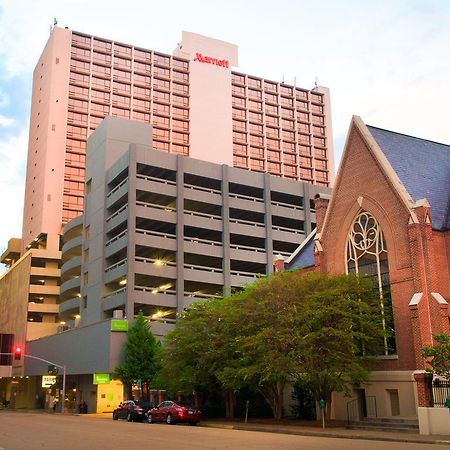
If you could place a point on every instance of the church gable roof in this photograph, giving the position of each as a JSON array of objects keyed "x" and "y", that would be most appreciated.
[
  {"x": 423, "y": 167},
  {"x": 304, "y": 254}
]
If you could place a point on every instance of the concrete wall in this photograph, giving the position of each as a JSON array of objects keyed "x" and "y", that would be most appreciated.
[{"x": 434, "y": 421}]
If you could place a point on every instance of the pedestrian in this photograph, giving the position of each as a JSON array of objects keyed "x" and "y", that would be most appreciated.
[{"x": 84, "y": 407}]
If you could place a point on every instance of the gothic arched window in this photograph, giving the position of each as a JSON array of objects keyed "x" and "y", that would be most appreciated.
[{"x": 367, "y": 255}]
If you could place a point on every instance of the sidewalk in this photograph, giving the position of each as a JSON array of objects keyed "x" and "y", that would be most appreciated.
[{"x": 334, "y": 432}]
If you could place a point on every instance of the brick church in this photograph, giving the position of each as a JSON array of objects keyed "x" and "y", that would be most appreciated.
[{"x": 389, "y": 217}]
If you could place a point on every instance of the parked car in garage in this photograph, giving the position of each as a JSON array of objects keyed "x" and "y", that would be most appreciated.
[
  {"x": 174, "y": 412},
  {"x": 132, "y": 410}
]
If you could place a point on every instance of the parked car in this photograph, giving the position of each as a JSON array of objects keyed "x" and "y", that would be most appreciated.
[
  {"x": 174, "y": 412},
  {"x": 132, "y": 410}
]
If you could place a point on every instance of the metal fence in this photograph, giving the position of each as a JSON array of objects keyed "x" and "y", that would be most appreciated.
[{"x": 441, "y": 390}]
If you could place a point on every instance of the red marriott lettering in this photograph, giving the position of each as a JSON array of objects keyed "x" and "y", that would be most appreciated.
[{"x": 207, "y": 59}]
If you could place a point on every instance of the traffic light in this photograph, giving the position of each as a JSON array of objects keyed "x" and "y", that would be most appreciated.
[
  {"x": 17, "y": 352},
  {"x": 52, "y": 370}
]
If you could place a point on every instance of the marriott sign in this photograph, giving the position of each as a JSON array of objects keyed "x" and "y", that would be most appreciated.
[{"x": 209, "y": 60}]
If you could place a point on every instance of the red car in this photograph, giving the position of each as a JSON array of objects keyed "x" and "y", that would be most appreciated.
[{"x": 172, "y": 413}]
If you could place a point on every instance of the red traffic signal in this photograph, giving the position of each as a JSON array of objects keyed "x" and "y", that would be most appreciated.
[{"x": 17, "y": 352}]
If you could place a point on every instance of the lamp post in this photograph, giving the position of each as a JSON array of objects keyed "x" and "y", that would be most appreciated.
[{"x": 63, "y": 394}]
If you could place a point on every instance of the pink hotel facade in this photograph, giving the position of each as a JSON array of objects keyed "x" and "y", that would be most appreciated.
[{"x": 198, "y": 104}]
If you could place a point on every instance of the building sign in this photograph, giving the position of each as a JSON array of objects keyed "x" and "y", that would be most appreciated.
[
  {"x": 48, "y": 380},
  {"x": 209, "y": 60},
  {"x": 101, "y": 378},
  {"x": 119, "y": 325}
]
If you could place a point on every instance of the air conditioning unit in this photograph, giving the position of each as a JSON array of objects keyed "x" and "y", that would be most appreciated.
[{"x": 117, "y": 314}]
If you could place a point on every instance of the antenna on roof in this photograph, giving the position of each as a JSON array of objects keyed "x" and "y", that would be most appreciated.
[
  {"x": 282, "y": 78},
  {"x": 316, "y": 86},
  {"x": 55, "y": 22}
]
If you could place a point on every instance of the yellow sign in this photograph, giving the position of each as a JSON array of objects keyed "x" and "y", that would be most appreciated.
[{"x": 48, "y": 380}]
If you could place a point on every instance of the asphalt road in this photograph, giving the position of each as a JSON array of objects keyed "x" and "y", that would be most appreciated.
[{"x": 30, "y": 431}]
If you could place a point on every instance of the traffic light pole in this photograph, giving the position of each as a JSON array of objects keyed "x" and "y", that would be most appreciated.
[{"x": 63, "y": 394}]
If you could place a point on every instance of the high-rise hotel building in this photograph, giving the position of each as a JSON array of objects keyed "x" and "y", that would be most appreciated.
[{"x": 198, "y": 104}]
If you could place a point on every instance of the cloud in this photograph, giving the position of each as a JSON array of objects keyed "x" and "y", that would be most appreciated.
[{"x": 5, "y": 121}]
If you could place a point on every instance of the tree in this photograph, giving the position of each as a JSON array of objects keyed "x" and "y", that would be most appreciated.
[
  {"x": 440, "y": 355},
  {"x": 141, "y": 354}
]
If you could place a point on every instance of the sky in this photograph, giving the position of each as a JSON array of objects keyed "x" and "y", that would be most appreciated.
[{"x": 387, "y": 61}]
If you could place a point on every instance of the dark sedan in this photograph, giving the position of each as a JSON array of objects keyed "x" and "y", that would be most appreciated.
[
  {"x": 132, "y": 410},
  {"x": 174, "y": 412}
]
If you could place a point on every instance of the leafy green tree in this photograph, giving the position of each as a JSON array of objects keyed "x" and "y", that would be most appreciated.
[
  {"x": 141, "y": 354},
  {"x": 440, "y": 355}
]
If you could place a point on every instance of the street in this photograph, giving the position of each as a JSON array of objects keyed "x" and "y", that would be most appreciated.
[{"x": 29, "y": 431}]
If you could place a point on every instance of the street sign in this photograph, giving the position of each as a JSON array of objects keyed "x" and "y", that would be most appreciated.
[
  {"x": 119, "y": 325},
  {"x": 101, "y": 378},
  {"x": 48, "y": 380}
]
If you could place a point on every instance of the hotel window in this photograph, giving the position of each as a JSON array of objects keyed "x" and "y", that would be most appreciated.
[
  {"x": 177, "y": 112},
  {"x": 288, "y": 136},
  {"x": 287, "y": 102},
  {"x": 101, "y": 83},
  {"x": 180, "y": 138},
  {"x": 238, "y": 101},
  {"x": 303, "y": 127},
  {"x": 273, "y": 132},
  {"x": 119, "y": 112},
  {"x": 82, "y": 66},
  {"x": 239, "y": 113},
  {"x": 301, "y": 105},
  {"x": 141, "y": 67},
  {"x": 318, "y": 98},
  {"x": 303, "y": 116},
  {"x": 78, "y": 147},
  {"x": 271, "y": 98},
  {"x": 317, "y": 108},
  {"x": 255, "y": 105},
  {"x": 255, "y": 117},
  {"x": 272, "y": 109},
  {"x": 270, "y": 87},
  {"x": 81, "y": 53},
  {"x": 290, "y": 170},
  {"x": 300, "y": 94},
  {"x": 257, "y": 164},
  {"x": 236, "y": 78},
  {"x": 239, "y": 137},
  {"x": 142, "y": 80},
  {"x": 101, "y": 58},
  {"x": 178, "y": 124},
  {"x": 77, "y": 118},
  {"x": 254, "y": 94},
  {"x": 319, "y": 130},
  {"x": 318, "y": 119},
  {"x": 238, "y": 90},
  {"x": 180, "y": 88},
  {"x": 273, "y": 167},
  {"x": 162, "y": 146},
  {"x": 304, "y": 138},
  {"x": 158, "y": 133},
  {"x": 121, "y": 88},
  {"x": 257, "y": 152},
  {"x": 272, "y": 120},
  {"x": 273, "y": 156},
  {"x": 287, "y": 112},
  {"x": 80, "y": 40},
  {"x": 180, "y": 76},
  {"x": 305, "y": 161},
  {"x": 122, "y": 50},
  {"x": 143, "y": 105},
  {"x": 273, "y": 143},
  {"x": 367, "y": 254},
  {"x": 159, "y": 71},
  {"x": 79, "y": 105},
  {"x": 289, "y": 158},
  {"x": 142, "y": 55},
  {"x": 179, "y": 64},
  {"x": 239, "y": 149},
  {"x": 320, "y": 153},
  {"x": 102, "y": 45},
  {"x": 161, "y": 60},
  {"x": 163, "y": 85},
  {"x": 256, "y": 140},
  {"x": 101, "y": 71},
  {"x": 306, "y": 173},
  {"x": 180, "y": 101},
  {"x": 239, "y": 161},
  {"x": 305, "y": 149},
  {"x": 320, "y": 142},
  {"x": 122, "y": 63},
  {"x": 253, "y": 82},
  {"x": 255, "y": 128},
  {"x": 79, "y": 78},
  {"x": 94, "y": 122},
  {"x": 322, "y": 176},
  {"x": 77, "y": 91},
  {"x": 287, "y": 124},
  {"x": 288, "y": 147},
  {"x": 286, "y": 90},
  {"x": 239, "y": 125},
  {"x": 121, "y": 75},
  {"x": 98, "y": 109},
  {"x": 119, "y": 100},
  {"x": 161, "y": 96},
  {"x": 180, "y": 149},
  {"x": 143, "y": 117},
  {"x": 142, "y": 92}
]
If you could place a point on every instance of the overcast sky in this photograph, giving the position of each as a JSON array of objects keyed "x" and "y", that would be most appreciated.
[{"x": 386, "y": 61}]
